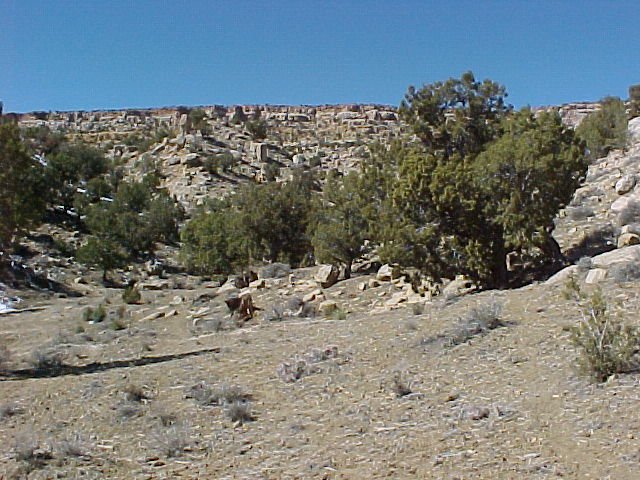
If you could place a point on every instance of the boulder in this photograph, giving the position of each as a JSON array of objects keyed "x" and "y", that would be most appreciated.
[
  {"x": 627, "y": 239},
  {"x": 631, "y": 228},
  {"x": 387, "y": 272},
  {"x": 563, "y": 275},
  {"x": 228, "y": 287},
  {"x": 258, "y": 284},
  {"x": 314, "y": 295},
  {"x": 396, "y": 299},
  {"x": 629, "y": 254},
  {"x": 373, "y": 283},
  {"x": 622, "y": 203},
  {"x": 625, "y": 184},
  {"x": 634, "y": 129},
  {"x": 261, "y": 151},
  {"x": 596, "y": 275},
  {"x": 327, "y": 275},
  {"x": 327, "y": 307},
  {"x": 458, "y": 287}
]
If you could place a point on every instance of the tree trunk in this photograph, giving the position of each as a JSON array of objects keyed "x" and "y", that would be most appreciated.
[
  {"x": 499, "y": 270},
  {"x": 347, "y": 270},
  {"x": 551, "y": 249}
]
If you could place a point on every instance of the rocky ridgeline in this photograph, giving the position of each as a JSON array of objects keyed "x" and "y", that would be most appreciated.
[
  {"x": 324, "y": 137},
  {"x": 330, "y": 137}
]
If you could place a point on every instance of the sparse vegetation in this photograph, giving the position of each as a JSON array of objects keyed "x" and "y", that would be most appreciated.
[
  {"x": 72, "y": 445},
  {"x": 605, "y": 129},
  {"x": 301, "y": 366},
  {"x": 606, "y": 343},
  {"x": 239, "y": 411},
  {"x": 94, "y": 315},
  {"x": 220, "y": 395},
  {"x": 47, "y": 359},
  {"x": 135, "y": 393},
  {"x": 400, "y": 385},
  {"x": 172, "y": 441},
  {"x": 131, "y": 295}
]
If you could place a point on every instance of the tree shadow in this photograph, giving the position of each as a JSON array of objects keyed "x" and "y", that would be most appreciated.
[{"x": 62, "y": 370}]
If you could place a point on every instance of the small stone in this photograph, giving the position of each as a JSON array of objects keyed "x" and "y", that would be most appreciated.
[{"x": 596, "y": 275}]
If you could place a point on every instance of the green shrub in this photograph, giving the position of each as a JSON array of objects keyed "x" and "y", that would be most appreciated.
[
  {"x": 94, "y": 315},
  {"x": 605, "y": 129},
  {"x": 257, "y": 129},
  {"x": 131, "y": 295},
  {"x": 606, "y": 344}
]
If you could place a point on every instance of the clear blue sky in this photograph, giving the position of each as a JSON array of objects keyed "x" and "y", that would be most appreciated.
[{"x": 90, "y": 54}]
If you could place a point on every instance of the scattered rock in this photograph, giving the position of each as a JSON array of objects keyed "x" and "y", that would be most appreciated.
[{"x": 153, "y": 316}]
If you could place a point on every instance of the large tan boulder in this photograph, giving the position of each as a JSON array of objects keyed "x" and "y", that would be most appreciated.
[
  {"x": 327, "y": 275},
  {"x": 627, "y": 239},
  {"x": 458, "y": 287},
  {"x": 327, "y": 307},
  {"x": 387, "y": 272}
]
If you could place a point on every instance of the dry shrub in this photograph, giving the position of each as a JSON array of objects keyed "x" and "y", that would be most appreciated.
[
  {"x": 219, "y": 395},
  {"x": 172, "y": 441},
  {"x": 47, "y": 359},
  {"x": 239, "y": 411},
  {"x": 477, "y": 321},
  {"x": 607, "y": 345},
  {"x": 400, "y": 385},
  {"x": 135, "y": 393},
  {"x": 302, "y": 366},
  {"x": 72, "y": 445}
]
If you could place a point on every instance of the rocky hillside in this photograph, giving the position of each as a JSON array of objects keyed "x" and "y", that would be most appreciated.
[
  {"x": 375, "y": 376},
  {"x": 322, "y": 137},
  {"x": 326, "y": 137}
]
